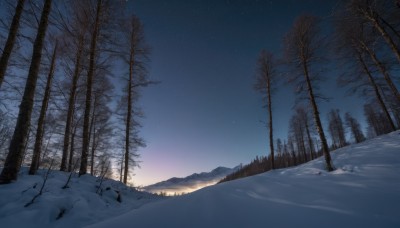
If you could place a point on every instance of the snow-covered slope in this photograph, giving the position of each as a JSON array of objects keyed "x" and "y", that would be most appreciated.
[
  {"x": 75, "y": 206},
  {"x": 364, "y": 191},
  {"x": 190, "y": 183}
]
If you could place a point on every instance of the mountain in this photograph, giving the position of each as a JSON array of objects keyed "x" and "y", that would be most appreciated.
[
  {"x": 190, "y": 183},
  {"x": 363, "y": 191}
]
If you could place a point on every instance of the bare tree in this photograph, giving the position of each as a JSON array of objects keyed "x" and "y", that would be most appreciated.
[
  {"x": 354, "y": 127},
  {"x": 135, "y": 57},
  {"x": 14, "y": 157},
  {"x": 40, "y": 127},
  {"x": 89, "y": 84},
  {"x": 352, "y": 43},
  {"x": 301, "y": 45},
  {"x": 376, "y": 119},
  {"x": 297, "y": 132},
  {"x": 265, "y": 79},
  {"x": 374, "y": 12},
  {"x": 336, "y": 128},
  {"x": 76, "y": 31},
  {"x": 305, "y": 120},
  {"x": 100, "y": 126},
  {"x": 103, "y": 36},
  {"x": 12, "y": 35}
]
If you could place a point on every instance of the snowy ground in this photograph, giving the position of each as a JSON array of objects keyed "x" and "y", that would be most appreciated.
[
  {"x": 364, "y": 191},
  {"x": 76, "y": 206}
]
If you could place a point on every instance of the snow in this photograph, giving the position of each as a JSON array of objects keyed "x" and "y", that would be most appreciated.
[
  {"x": 190, "y": 183},
  {"x": 364, "y": 191},
  {"x": 79, "y": 204}
]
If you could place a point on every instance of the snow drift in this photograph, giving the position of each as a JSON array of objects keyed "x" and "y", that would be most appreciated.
[
  {"x": 363, "y": 191},
  {"x": 75, "y": 206}
]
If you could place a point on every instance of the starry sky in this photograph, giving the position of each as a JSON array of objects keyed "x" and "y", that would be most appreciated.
[{"x": 205, "y": 113}]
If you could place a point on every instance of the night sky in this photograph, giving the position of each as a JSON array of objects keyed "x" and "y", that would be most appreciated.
[{"x": 205, "y": 112}]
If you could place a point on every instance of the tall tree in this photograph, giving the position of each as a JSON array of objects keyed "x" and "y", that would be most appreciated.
[
  {"x": 14, "y": 157},
  {"x": 89, "y": 85},
  {"x": 12, "y": 35},
  {"x": 100, "y": 126},
  {"x": 40, "y": 126},
  {"x": 301, "y": 45},
  {"x": 135, "y": 57},
  {"x": 77, "y": 34},
  {"x": 351, "y": 44},
  {"x": 265, "y": 77}
]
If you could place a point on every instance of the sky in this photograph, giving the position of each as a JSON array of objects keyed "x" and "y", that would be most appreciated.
[{"x": 205, "y": 112}]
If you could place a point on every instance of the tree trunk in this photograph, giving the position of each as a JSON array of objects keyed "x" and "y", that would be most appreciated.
[
  {"x": 40, "y": 127},
  {"x": 71, "y": 152},
  {"x": 129, "y": 114},
  {"x": 317, "y": 120},
  {"x": 310, "y": 143},
  {"x": 11, "y": 166},
  {"x": 88, "y": 103},
  {"x": 303, "y": 146},
  {"x": 71, "y": 103},
  {"x": 386, "y": 36},
  {"x": 92, "y": 132},
  {"x": 376, "y": 90},
  {"x": 271, "y": 137},
  {"x": 12, "y": 34},
  {"x": 384, "y": 72},
  {"x": 292, "y": 152}
]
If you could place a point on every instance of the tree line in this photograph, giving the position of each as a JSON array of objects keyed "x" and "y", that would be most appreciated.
[
  {"x": 365, "y": 43},
  {"x": 69, "y": 112}
]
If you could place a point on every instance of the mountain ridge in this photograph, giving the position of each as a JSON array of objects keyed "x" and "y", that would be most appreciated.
[{"x": 193, "y": 182}]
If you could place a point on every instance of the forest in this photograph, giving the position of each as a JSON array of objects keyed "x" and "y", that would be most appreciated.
[
  {"x": 63, "y": 110},
  {"x": 366, "y": 44},
  {"x": 68, "y": 113}
]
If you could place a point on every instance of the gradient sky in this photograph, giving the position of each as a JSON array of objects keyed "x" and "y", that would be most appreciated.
[{"x": 205, "y": 112}]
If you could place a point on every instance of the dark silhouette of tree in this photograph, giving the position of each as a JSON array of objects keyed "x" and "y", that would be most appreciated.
[
  {"x": 89, "y": 85},
  {"x": 305, "y": 120},
  {"x": 355, "y": 128},
  {"x": 101, "y": 130},
  {"x": 297, "y": 130},
  {"x": 5, "y": 132},
  {"x": 374, "y": 13},
  {"x": 336, "y": 129},
  {"x": 376, "y": 119},
  {"x": 135, "y": 56},
  {"x": 301, "y": 45},
  {"x": 265, "y": 79},
  {"x": 15, "y": 154},
  {"x": 353, "y": 42},
  {"x": 76, "y": 32},
  {"x": 40, "y": 126},
  {"x": 12, "y": 35}
]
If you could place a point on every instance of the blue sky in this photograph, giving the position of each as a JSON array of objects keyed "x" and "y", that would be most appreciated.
[{"x": 205, "y": 112}]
